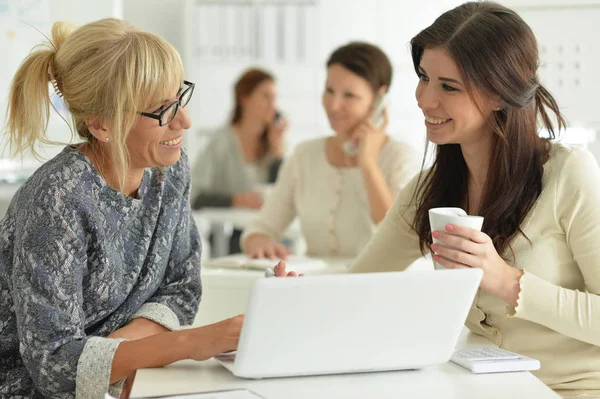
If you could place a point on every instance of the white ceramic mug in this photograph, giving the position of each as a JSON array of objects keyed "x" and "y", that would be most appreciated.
[{"x": 440, "y": 217}]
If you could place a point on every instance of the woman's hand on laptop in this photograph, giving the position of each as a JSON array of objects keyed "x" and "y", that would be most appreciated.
[
  {"x": 262, "y": 246},
  {"x": 211, "y": 340},
  {"x": 280, "y": 271}
]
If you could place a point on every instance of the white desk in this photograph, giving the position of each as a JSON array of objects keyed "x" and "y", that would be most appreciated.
[{"x": 442, "y": 381}]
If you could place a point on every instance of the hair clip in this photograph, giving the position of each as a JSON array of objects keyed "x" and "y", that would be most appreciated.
[{"x": 54, "y": 83}]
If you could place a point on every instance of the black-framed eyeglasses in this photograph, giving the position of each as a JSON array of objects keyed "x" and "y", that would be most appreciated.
[{"x": 166, "y": 115}]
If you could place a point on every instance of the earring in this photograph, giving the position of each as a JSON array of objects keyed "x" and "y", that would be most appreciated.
[
  {"x": 106, "y": 139},
  {"x": 498, "y": 109}
]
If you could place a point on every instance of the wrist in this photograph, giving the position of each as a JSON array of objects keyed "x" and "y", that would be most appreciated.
[
  {"x": 185, "y": 342},
  {"x": 368, "y": 165},
  {"x": 512, "y": 286}
]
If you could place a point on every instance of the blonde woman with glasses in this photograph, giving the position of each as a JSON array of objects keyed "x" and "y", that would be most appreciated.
[{"x": 99, "y": 256}]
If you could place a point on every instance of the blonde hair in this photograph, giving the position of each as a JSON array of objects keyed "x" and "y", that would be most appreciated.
[{"x": 106, "y": 69}]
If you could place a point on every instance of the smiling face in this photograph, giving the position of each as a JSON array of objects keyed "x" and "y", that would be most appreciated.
[
  {"x": 150, "y": 144},
  {"x": 347, "y": 99},
  {"x": 451, "y": 114}
]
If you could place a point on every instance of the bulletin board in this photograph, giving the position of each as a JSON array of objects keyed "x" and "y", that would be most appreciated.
[{"x": 570, "y": 57}]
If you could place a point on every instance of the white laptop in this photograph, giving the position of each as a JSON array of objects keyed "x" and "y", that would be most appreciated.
[{"x": 350, "y": 323}]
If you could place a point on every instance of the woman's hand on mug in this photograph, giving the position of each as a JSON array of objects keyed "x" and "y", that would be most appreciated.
[{"x": 473, "y": 248}]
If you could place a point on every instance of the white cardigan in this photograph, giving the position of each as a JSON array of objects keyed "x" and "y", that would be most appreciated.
[{"x": 331, "y": 202}]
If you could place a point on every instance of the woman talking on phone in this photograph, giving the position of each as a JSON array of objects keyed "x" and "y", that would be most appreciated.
[
  {"x": 245, "y": 155},
  {"x": 339, "y": 186}
]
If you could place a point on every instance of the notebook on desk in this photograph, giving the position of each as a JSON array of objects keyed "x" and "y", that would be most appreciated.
[{"x": 300, "y": 264}]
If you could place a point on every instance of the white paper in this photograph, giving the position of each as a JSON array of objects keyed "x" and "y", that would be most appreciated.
[{"x": 229, "y": 394}]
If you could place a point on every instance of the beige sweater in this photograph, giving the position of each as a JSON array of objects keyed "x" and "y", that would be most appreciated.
[
  {"x": 331, "y": 203},
  {"x": 557, "y": 319}
]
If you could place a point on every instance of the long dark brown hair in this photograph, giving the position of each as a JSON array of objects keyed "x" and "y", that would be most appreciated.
[
  {"x": 244, "y": 87},
  {"x": 496, "y": 53}
]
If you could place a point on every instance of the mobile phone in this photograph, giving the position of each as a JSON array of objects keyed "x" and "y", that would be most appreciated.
[
  {"x": 378, "y": 107},
  {"x": 376, "y": 116}
]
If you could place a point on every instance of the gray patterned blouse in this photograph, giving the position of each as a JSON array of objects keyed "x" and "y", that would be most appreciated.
[{"x": 79, "y": 260}]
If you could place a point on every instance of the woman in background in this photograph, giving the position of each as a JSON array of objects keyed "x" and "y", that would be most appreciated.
[
  {"x": 339, "y": 195},
  {"x": 245, "y": 155}
]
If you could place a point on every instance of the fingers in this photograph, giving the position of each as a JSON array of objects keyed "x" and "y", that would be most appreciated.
[
  {"x": 281, "y": 272},
  {"x": 280, "y": 269},
  {"x": 467, "y": 232},
  {"x": 366, "y": 129},
  {"x": 230, "y": 342},
  {"x": 281, "y": 251},
  {"x": 282, "y": 125},
  {"x": 449, "y": 264},
  {"x": 462, "y": 243},
  {"x": 274, "y": 252},
  {"x": 386, "y": 120},
  {"x": 239, "y": 319},
  {"x": 456, "y": 256},
  {"x": 270, "y": 253},
  {"x": 260, "y": 253}
]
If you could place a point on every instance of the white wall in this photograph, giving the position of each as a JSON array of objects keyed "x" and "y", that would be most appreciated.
[
  {"x": 81, "y": 12},
  {"x": 163, "y": 17}
]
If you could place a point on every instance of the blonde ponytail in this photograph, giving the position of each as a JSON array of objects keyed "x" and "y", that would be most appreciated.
[{"x": 29, "y": 101}]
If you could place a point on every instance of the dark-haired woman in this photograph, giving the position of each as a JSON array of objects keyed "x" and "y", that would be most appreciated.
[
  {"x": 538, "y": 249},
  {"x": 246, "y": 154}
]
